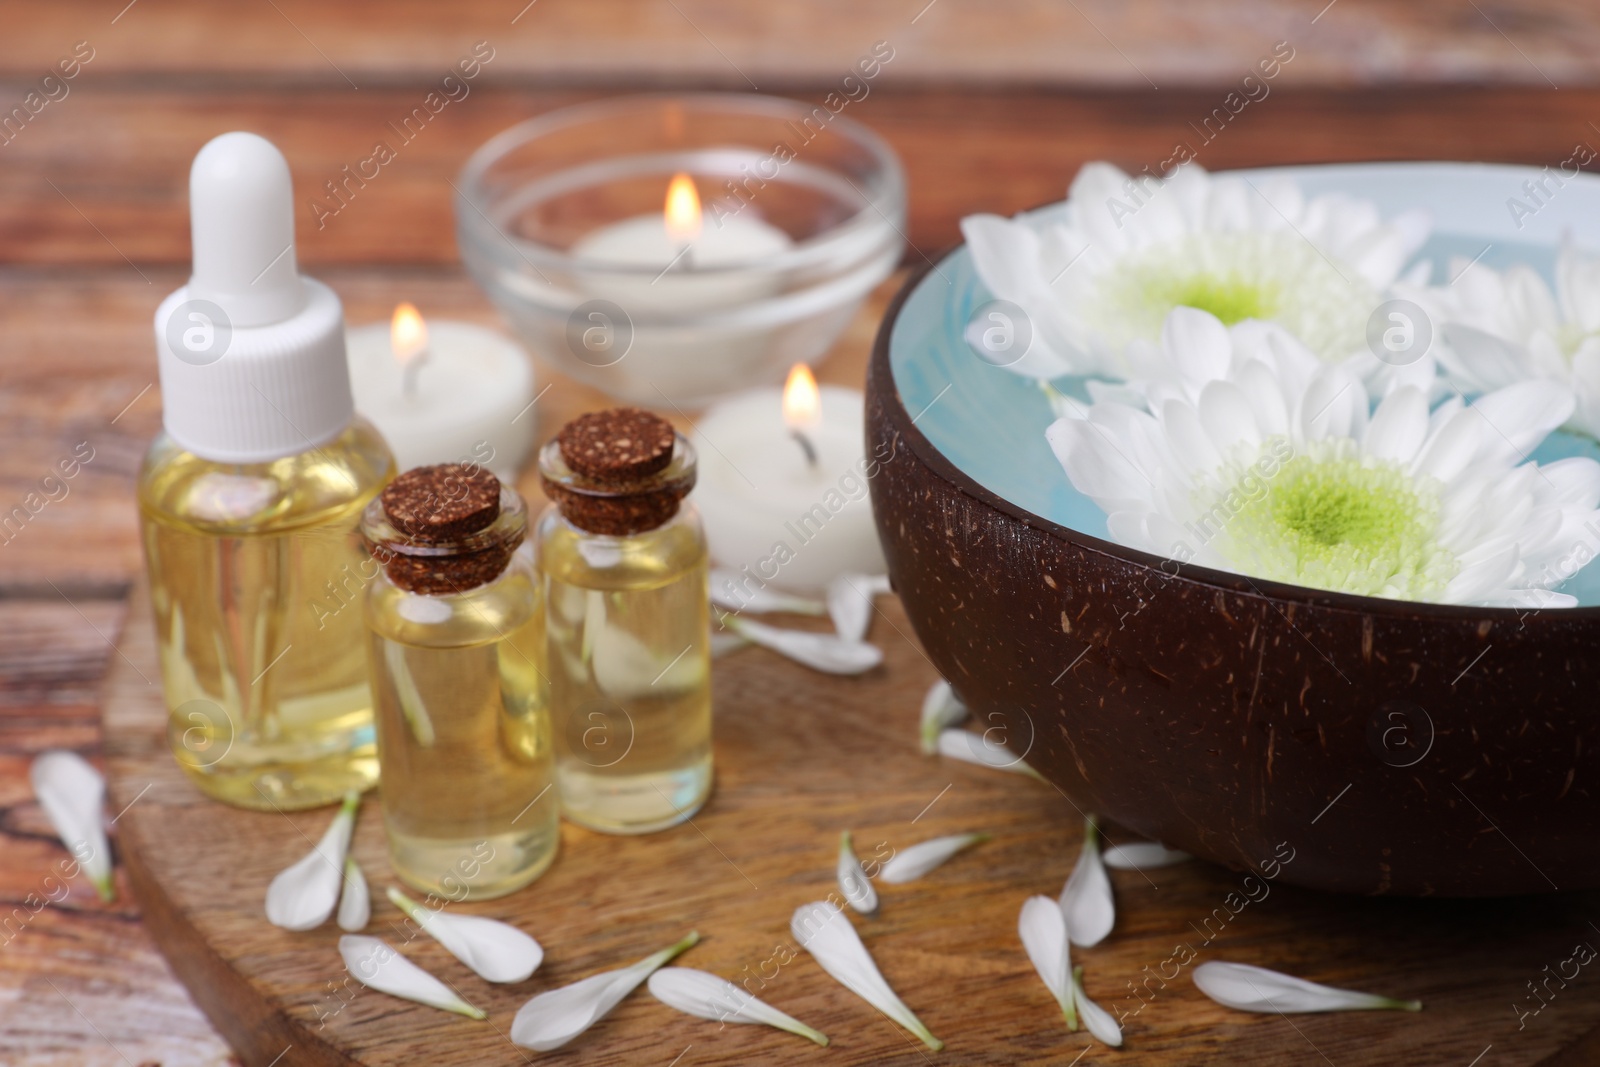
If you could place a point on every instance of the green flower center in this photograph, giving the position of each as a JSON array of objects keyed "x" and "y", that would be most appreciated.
[
  {"x": 1571, "y": 337},
  {"x": 1269, "y": 275},
  {"x": 1328, "y": 519},
  {"x": 1229, "y": 297}
]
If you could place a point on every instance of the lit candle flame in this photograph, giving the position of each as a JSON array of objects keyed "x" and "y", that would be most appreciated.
[
  {"x": 802, "y": 405},
  {"x": 408, "y": 334},
  {"x": 683, "y": 209}
]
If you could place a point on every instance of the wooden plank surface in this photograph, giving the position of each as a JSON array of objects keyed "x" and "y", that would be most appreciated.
[
  {"x": 81, "y": 983},
  {"x": 1136, "y": 44},
  {"x": 800, "y": 757},
  {"x": 104, "y": 179}
]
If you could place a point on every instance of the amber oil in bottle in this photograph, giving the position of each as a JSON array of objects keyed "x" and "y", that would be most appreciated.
[
  {"x": 625, "y": 581},
  {"x": 456, "y": 651}
]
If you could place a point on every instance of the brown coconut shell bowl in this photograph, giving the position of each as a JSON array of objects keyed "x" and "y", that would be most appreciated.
[{"x": 1398, "y": 748}]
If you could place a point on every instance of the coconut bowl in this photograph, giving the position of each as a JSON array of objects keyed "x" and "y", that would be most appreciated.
[{"x": 1390, "y": 747}]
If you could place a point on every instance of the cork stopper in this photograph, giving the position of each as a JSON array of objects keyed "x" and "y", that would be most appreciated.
[
  {"x": 444, "y": 529},
  {"x": 617, "y": 472},
  {"x": 443, "y": 502},
  {"x": 617, "y": 445}
]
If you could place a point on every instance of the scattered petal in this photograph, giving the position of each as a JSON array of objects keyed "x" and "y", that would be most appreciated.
[
  {"x": 302, "y": 897},
  {"x": 853, "y": 882},
  {"x": 972, "y": 748},
  {"x": 1096, "y": 1019},
  {"x": 409, "y": 697},
  {"x": 73, "y": 796},
  {"x": 710, "y": 997},
  {"x": 850, "y": 603},
  {"x": 822, "y": 652},
  {"x": 497, "y": 951},
  {"x": 1142, "y": 856},
  {"x": 941, "y": 709},
  {"x": 1044, "y": 936},
  {"x": 375, "y": 965},
  {"x": 552, "y": 1019},
  {"x": 825, "y": 932},
  {"x": 1086, "y": 901},
  {"x": 738, "y": 592},
  {"x": 724, "y": 643},
  {"x": 355, "y": 902},
  {"x": 1247, "y": 988},
  {"x": 924, "y": 856}
]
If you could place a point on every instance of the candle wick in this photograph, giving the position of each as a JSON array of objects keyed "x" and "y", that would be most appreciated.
[
  {"x": 409, "y": 373},
  {"x": 805, "y": 446}
]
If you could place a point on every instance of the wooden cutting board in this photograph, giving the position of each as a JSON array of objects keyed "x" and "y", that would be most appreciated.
[{"x": 800, "y": 757}]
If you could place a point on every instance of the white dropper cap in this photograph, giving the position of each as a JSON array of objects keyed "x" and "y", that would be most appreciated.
[{"x": 251, "y": 354}]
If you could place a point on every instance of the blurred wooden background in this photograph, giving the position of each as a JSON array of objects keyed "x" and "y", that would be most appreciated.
[{"x": 992, "y": 106}]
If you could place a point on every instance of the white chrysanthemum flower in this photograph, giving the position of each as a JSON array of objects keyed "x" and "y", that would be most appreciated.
[
  {"x": 1262, "y": 460},
  {"x": 1126, "y": 251},
  {"x": 1505, "y": 327}
]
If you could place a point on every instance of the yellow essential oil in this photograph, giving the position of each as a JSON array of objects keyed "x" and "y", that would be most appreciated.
[
  {"x": 625, "y": 580},
  {"x": 261, "y": 646},
  {"x": 456, "y": 652}
]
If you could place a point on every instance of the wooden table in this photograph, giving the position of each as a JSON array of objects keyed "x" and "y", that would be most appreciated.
[{"x": 991, "y": 106}]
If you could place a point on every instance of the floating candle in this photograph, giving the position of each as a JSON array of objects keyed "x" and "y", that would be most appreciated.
[
  {"x": 444, "y": 392},
  {"x": 783, "y": 486},
  {"x": 686, "y": 261},
  {"x": 685, "y": 290}
]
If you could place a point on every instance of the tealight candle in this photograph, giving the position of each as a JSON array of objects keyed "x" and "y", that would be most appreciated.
[
  {"x": 689, "y": 268},
  {"x": 783, "y": 485},
  {"x": 687, "y": 261},
  {"x": 444, "y": 392}
]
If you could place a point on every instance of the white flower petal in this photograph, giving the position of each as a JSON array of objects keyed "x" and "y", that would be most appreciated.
[
  {"x": 941, "y": 709},
  {"x": 1398, "y": 426},
  {"x": 1142, "y": 856},
  {"x": 375, "y": 965},
  {"x": 355, "y": 900},
  {"x": 969, "y": 747},
  {"x": 919, "y": 859},
  {"x": 73, "y": 796},
  {"x": 1086, "y": 901},
  {"x": 1096, "y": 1019},
  {"x": 853, "y": 882},
  {"x": 1247, "y": 988},
  {"x": 1523, "y": 414},
  {"x": 821, "y": 652},
  {"x": 1044, "y": 938},
  {"x": 496, "y": 951},
  {"x": 724, "y": 643},
  {"x": 1197, "y": 344},
  {"x": 552, "y": 1019},
  {"x": 302, "y": 897},
  {"x": 825, "y": 932},
  {"x": 737, "y": 592},
  {"x": 850, "y": 603},
  {"x": 710, "y": 997}
]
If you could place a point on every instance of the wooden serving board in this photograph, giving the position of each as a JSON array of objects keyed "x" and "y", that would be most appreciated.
[{"x": 801, "y": 757}]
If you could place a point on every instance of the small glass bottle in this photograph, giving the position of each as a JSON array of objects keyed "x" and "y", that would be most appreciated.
[
  {"x": 626, "y": 593},
  {"x": 456, "y": 651},
  {"x": 248, "y": 505}
]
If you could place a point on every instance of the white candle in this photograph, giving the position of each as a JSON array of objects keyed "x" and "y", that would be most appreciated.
[
  {"x": 468, "y": 397},
  {"x": 772, "y": 514},
  {"x": 675, "y": 266}
]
